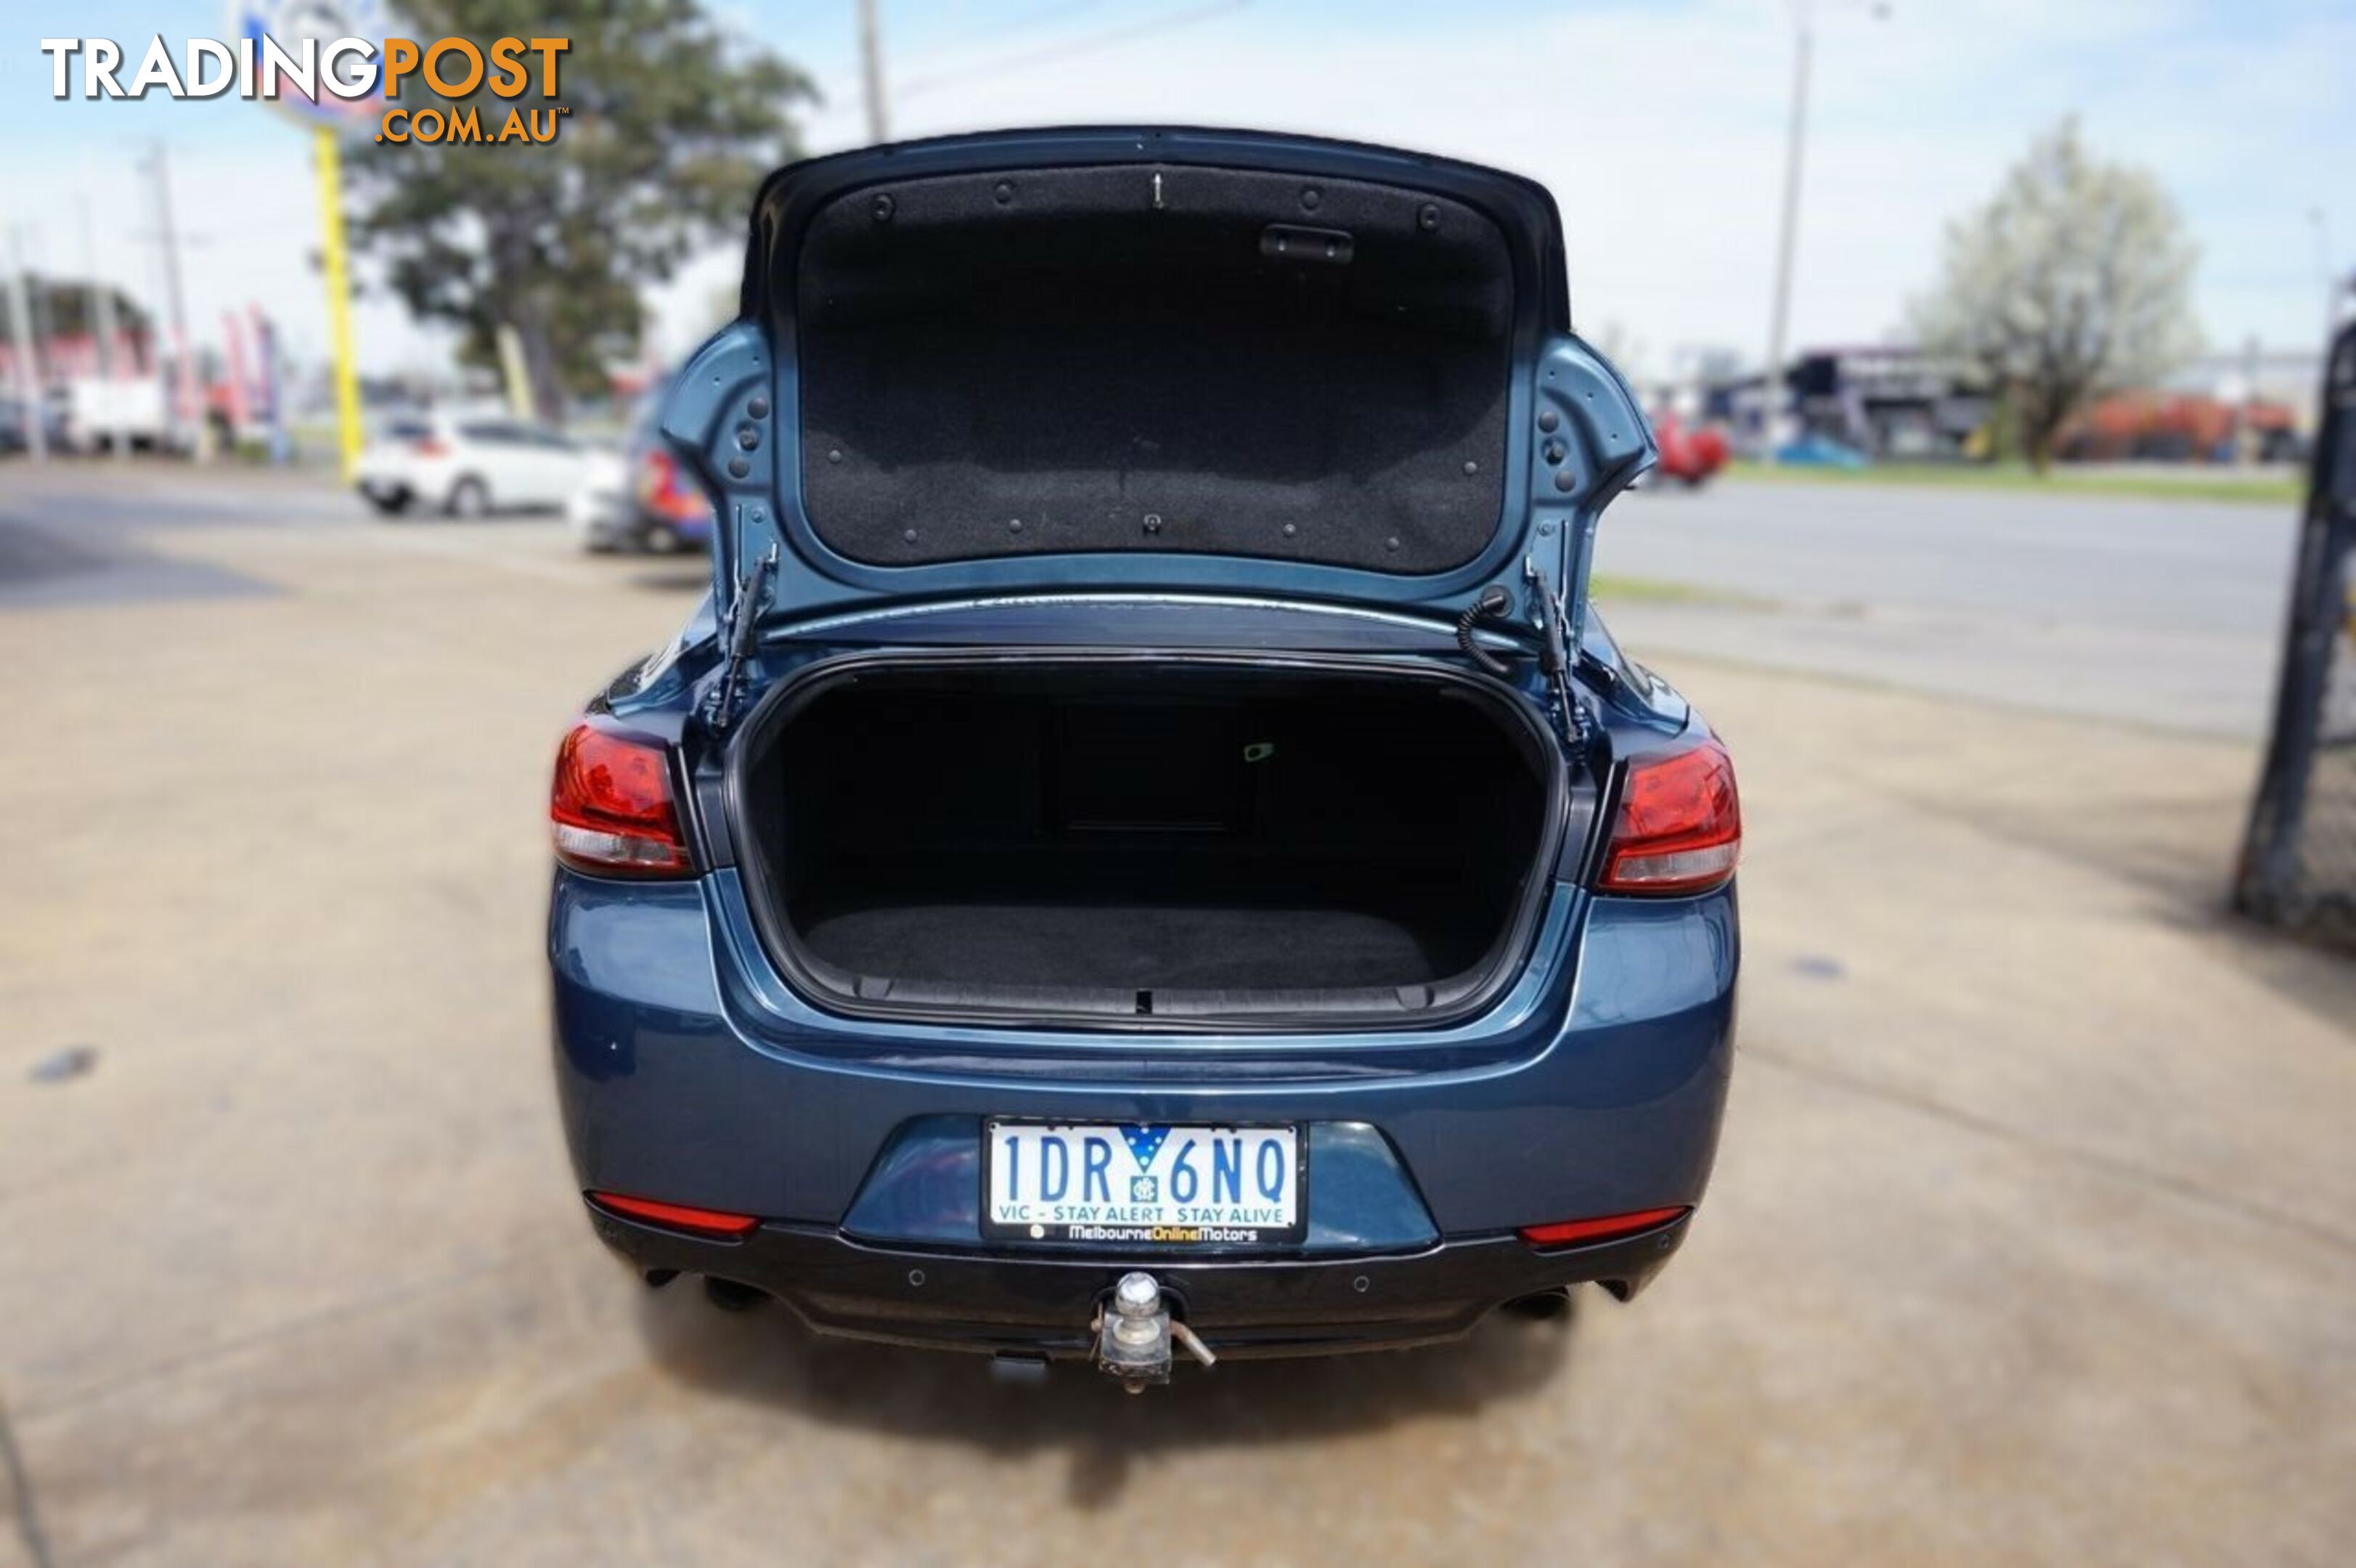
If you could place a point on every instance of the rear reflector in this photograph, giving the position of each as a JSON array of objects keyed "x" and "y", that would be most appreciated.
[
  {"x": 611, "y": 807},
  {"x": 1679, "y": 830},
  {"x": 1564, "y": 1233},
  {"x": 678, "y": 1216}
]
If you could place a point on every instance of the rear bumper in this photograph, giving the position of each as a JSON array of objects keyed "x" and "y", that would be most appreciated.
[
  {"x": 1034, "y": 1305},
  {"x": 694, "y": 528},
  {"x": 689, "y": 1073},
  {"x": 603, "y": 514}
]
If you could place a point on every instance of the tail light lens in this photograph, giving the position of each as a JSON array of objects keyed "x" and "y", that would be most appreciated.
[
  {"x": 610, "y": 806},
  {"x": 429, "y": 446},
  {"x": 654, "y": 478},
  {"x": 662, "y": 488},
  {"x": 1679, "y": 830}
]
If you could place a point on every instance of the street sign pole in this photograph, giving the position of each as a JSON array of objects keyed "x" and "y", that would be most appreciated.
[{"x": 330, "y": 169}]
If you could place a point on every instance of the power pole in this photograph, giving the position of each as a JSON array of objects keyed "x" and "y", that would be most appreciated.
[
  {"x": 184, "y": 395},
  {"x": 871, "y": 61},
  {"x": 2322, "y": 222},
  {"x": 1803, "y": 46},
  {"x": 31, "y": 395},
  {"x": 101, "y": 326},
  {"x": 1779, "y": 316}
]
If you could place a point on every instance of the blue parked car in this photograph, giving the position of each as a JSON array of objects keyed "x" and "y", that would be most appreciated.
[
  {"x": 641, "y": 498},
  {"x": 1148, "y": 850}
]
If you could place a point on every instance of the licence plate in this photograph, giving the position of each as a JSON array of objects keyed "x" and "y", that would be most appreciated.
[{"x": 1127, "y": 1184}]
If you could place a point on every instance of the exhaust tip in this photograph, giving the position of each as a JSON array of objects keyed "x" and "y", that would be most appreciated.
[
  {"x": 1545, "y": 1306},
  {"x": 732, "y": 1295}
]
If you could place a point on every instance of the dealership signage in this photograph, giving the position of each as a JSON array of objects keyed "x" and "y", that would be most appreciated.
[{"x": 340, "y": 78}]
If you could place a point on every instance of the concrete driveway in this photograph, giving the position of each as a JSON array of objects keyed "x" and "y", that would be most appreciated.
[{"x": 2032, "y": 1240}]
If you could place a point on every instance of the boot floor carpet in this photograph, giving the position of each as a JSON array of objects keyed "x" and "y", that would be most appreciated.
[{"x": 1141, "y": 947}]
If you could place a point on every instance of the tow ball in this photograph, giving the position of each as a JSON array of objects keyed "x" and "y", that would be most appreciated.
[{"x": 1134, "y": 1330}]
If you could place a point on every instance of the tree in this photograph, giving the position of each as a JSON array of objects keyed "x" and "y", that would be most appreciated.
[
  {"x": 2073, "y": 281},
  {"x": 668, "y": 127}
]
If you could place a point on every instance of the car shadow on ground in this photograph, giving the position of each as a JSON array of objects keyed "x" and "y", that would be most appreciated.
[
  {"x": 682, "y": 578},
  {"x": 767, "y": 1357}
]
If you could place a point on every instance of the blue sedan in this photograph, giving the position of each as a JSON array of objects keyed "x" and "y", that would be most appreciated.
[{"x": 1147, "y": 854}]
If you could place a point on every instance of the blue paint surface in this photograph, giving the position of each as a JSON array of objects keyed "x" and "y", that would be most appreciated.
[{"x": 687, "y": 1070}]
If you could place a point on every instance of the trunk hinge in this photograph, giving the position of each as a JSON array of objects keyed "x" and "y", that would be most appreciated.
[
  {"x": 743, "y": 635},
  {"x": 1554, "y": 659}
]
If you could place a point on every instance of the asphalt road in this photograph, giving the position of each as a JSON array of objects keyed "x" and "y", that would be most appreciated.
[
  {"x": 2162, "y": 611},
  {"x": 2159, "y": 613},
  {"x": 2029, "y": 1241}
]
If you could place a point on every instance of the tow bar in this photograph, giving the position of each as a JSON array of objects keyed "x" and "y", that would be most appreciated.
[{"x": 1133, "y": 1334}]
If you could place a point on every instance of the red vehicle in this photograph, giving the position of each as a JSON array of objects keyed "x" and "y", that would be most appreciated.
[
  {"x": 1690, "y": 452},
  {"x": 2178, "y": 426}
]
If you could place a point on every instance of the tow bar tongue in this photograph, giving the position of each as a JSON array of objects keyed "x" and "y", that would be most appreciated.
[{"x": 1134, "y": 1331}]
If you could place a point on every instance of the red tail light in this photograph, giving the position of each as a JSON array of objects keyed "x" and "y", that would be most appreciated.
[
  {"x": 678, "y": 1216},
  {"x": 429, "y": 446},
  {"x": 663, "y": 490},
  {"x": 610, "y": 806},
  {"x": 1609, "y": 1227},
  {"x": 1680, "y": 825}
]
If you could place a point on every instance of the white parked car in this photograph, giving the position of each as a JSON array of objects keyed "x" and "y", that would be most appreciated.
[
  {"x": 470, "y": 464},
  {"x": 601, "y": 509}
]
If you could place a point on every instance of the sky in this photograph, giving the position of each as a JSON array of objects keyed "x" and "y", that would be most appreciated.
[{"x": 1659, "y": 127}]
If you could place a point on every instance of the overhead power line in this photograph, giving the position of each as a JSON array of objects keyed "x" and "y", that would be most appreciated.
[
  {"x": 1091, "y": 43},
  {"x": 938, "y": 51}
]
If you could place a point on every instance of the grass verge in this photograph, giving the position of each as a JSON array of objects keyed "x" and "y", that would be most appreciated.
[
  {"x": 2270, "y": 490},
  {"x": 1607, "y": 589}
]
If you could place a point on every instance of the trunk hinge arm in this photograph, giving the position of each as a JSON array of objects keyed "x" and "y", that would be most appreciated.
[
  {"x": 1554, "y": 658},
  {"x": 743, "y": 636}
]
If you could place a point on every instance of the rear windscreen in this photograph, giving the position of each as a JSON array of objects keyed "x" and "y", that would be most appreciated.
[{"x": 1048, "y": 361}]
